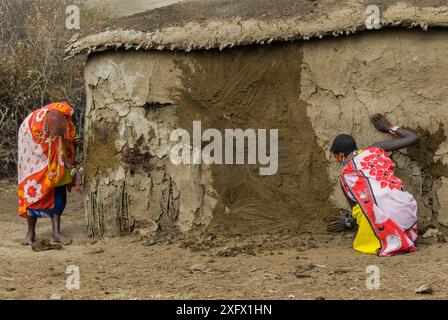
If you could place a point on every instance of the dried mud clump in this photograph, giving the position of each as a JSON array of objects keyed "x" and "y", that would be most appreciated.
[{"x": 424, "y": 153}]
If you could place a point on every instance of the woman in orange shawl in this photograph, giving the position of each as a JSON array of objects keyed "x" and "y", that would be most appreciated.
[{"x": 46, "y": 166}]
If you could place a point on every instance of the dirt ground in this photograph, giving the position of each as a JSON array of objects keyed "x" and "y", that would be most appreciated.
[{"x": 272, "y": 266}]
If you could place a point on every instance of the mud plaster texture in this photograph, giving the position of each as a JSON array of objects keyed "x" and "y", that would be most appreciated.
[{"x": 311, "y": 91}]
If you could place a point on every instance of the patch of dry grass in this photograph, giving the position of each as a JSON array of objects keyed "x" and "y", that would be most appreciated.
[{"x": 32, "y": 70}]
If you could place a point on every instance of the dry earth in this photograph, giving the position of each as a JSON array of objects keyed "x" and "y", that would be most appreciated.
[{"x": 271, "y": 266}]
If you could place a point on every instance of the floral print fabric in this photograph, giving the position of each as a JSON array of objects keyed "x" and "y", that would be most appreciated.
[
  {"x": 41, "y": 158},
  {"x": 369, "y": 180}
]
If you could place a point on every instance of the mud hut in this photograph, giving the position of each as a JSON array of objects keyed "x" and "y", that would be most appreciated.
[{"x": 310, "y": 69}]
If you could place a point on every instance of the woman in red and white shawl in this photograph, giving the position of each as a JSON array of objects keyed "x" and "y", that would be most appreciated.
[
  {"x": 385, "y": 213},
  {"x": 46, "y": 166}
]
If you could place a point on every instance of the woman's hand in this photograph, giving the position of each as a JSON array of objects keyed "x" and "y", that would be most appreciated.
[
  {"x": 403, "y": 138},
  {"x": 78, "y": 182},
  {"x": 337, "y": 225},
  {"x": 380, "y": 123},
  {"x": 342, "y": 223},
  {"x": 77, "y": 141}
]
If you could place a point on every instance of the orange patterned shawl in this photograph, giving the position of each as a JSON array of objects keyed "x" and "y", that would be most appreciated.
[{"x": 42, "y": 160}]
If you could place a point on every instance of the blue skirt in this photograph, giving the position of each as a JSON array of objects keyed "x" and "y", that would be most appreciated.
[{"x": 60, "y": 200}]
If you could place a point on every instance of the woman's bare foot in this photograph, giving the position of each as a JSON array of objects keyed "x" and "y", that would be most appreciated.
[
  {"x": 59, "y": 237},
  {"x": 29, "y": 239}
]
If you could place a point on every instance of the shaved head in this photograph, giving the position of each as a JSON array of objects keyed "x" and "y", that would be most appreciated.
[
  {"x": 344, "y": 143},
  {"x": 57, "y": 122}
]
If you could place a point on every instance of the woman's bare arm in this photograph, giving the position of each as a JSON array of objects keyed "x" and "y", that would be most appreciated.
[{"x": 406, "y": 138}]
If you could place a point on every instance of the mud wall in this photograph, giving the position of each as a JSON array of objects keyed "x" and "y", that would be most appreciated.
[
  {"x": 400, "y": 73},
  {"x": 130, "y": 180},
  {"x": 310, "y": 91}
]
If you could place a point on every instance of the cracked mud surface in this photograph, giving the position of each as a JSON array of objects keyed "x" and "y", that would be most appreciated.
[{"x": 270, "y": 266}]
